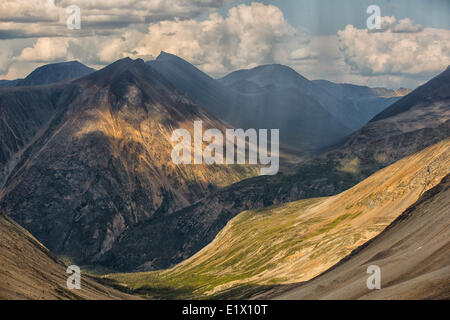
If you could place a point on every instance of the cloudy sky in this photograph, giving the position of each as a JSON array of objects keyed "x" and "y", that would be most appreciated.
[{"x": 321, "y": 39}]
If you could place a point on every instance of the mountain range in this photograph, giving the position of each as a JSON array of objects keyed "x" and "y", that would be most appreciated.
[
  {"x": 85, "y": 167},
  {"x": 51, "y": 73},
  {"x": 275, "y": 96},
  {"x": 189, "y": 230}
]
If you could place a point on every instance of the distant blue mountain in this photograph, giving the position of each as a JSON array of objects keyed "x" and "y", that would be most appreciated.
[
  {"x": 50, "y": 73},
  {"x": 311, "y": 114},
  {"x": 304, "y": 121},
  {"x": 9, "y": 83},
  {"x": 435, "y": 90},
  {"x": 366, "y": 102}
]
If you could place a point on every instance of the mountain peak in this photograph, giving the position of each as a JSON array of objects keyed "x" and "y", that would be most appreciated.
[
  {"x": 165, "y": 56},
  {"x": 126, "y": 63},
  {"x": 277, "y": 75},
  {"x": 59, "y": 64},
  {"x": 434, "y": 90},
  {"x": 55, "y": 72},
  {"x": 116, "y": 68},
  {"x": 162, "y": 54},
  {"x": 174, "y": 67}
]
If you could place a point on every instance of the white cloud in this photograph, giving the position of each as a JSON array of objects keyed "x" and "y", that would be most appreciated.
[
  {"x": 407, "y": 25},
  {"x": 402, "y": 53},
  {"x": 302, "y": 54},
  {"x": 249, "y": 35},
  {"x": 29, "y": 11},
  {"x": 46, "y": 50},
  {"x": 6, "y": 56},
  {"x": 47, "y": 18},
  {"x": 398, "y": 49},
  {"x": 109, "y": 12},
  {"x": 110, "y": 50}
]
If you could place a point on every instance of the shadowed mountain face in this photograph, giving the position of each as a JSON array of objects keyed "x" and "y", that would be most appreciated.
[
  {"x": 55, "y": 72},
  {"x": 347, "y": 104},
  {"x": 413, "y": 254},
  {"x": 427, "y": 95},
  {"x": 51, "y": 73},
  {"x": 366, "y": 102},
  {"x": 413, "y": 122},
  {"x": 305, "y": 123},
  {"x": 83, "y": 161},
  {"x": 9, "y": 83},
  {"x": 373, "y": 147},
  {"x": 30, "y": 271}
]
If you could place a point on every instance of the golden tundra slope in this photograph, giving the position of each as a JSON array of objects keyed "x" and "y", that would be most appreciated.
[
  {"x": 300, "y": 240},
  {"x": 29, "y": 271},
  {"x": 413, "y": 254}
]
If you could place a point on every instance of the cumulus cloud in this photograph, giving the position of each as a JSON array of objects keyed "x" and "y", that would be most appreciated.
[
  {"x": 46, "y": 18},
  {"x": 402, "y": 52},
  {"x": 29, "y": 11},
  {"x": 6, "y": 56},
  {"x": 249, "y": 35},
  {"x": 407, "y": 25},
  {"x": 400, "y": 48},
  {"x": 304, "y": 53},
  {"x": 99, "y": 12},
  {"x": 117, "y": 48},
  {"x": 386, "y": 24},
  {"x": 110, "y": 28},
  {"x": 45, "y": 49}
]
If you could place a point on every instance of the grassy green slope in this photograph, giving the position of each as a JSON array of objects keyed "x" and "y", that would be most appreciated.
[{"x": 296, "y": 241}]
